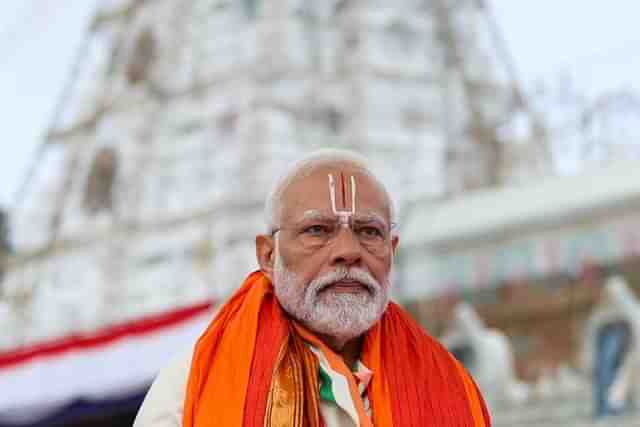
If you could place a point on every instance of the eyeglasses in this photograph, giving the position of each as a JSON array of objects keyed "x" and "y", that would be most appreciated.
[{"x": 371, "y": 232}]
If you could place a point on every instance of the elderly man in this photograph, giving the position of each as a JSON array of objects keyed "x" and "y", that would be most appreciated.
[{"x": 311, "y": 339}]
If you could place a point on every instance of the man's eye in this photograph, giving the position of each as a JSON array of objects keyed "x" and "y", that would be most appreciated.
[
  {"x": 316, "y": 230},
  {"x": 369, "y": 232}
]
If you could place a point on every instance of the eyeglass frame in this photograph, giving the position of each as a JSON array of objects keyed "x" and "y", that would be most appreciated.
[{"x": 338, "y": 222}]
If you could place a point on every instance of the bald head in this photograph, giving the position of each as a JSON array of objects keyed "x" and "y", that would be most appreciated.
[{"x": 326, "y": 159}]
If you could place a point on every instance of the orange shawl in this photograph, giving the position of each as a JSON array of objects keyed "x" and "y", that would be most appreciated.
[{"x": 250, "y": 369}]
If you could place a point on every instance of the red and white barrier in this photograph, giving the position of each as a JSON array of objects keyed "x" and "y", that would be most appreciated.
[{"x": 106, "y": 364}]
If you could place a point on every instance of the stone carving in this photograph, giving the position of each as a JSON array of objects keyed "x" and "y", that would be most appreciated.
[
  {"x": 142, "y": 57},
  {"x": 610, "y": 347},
  {"x": 98, "y": 194},
  {"x": 487, "y": 354}
]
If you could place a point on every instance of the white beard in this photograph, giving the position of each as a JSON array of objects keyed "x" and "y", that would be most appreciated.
[{"x": 342, "y": 316}]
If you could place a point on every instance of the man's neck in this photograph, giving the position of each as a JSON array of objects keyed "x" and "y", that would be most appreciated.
[{"x": 349, "y": 351}]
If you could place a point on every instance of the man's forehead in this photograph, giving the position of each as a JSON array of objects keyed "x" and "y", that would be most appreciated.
[
  {"x": 360, "y": 215},
  {"x": 312, "y": 192}
]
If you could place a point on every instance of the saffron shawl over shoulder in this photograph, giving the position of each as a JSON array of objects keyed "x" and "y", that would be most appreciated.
[{"x": 252, "y": 367}]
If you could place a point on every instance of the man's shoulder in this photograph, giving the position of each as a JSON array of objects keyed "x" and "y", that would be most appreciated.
[{"x": 162, "y": 407}]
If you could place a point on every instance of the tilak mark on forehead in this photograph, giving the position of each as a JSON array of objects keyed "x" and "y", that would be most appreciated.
[{"x": 343, "y": 215}]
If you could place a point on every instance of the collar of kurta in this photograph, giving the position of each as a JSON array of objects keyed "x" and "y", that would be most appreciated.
[
  {"x": 328, "y": 383},
  {"x": 334, "y": 388}
]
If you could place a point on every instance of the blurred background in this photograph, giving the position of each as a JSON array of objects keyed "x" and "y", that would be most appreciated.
[{"x": 141, "y": 137}]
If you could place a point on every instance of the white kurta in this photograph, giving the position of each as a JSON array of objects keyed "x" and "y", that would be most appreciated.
[{"x": 163, "y": 405}]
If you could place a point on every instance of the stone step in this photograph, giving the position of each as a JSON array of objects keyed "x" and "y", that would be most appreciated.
[
  {"x": 565, "y": 411},
  {"x": 620, "y": 421}
]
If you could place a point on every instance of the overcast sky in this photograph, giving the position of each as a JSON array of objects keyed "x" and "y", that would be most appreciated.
[{"x": 596, "y": 43}]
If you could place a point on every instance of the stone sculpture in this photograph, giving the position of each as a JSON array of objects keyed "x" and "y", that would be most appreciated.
[
  {"x": 610, "y": 347},
  {"x": 487, "y": 354}
]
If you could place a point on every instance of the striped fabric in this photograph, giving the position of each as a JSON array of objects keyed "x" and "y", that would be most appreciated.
[
  {"x": 326, "y": 387},
  {"x": 334, "y": 387},
  {"x": 251, "y": 342}
]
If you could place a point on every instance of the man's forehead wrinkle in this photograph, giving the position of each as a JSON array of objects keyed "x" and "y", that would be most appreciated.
[
  {"x": 315, "y": 214},
  {"x": 300, "y": 184},
  {"x": 371, "y": 215},
  {"x": 321, "y": 214},
  {"x": 312, "y": 215}
]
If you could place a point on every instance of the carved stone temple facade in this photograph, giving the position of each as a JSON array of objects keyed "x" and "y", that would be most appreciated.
[{"x": 148, "y": 188}]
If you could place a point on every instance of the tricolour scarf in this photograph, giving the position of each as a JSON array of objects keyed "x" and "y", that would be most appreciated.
[{"x": 252, "y": 368}]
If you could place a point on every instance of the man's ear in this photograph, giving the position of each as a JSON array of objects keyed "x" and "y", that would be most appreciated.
[
  {"x": 265, "y": 254},
  {"x": 394, "y": 243}
]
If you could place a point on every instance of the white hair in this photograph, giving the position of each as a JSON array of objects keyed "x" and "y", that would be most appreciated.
[
  {"x": 305, "y": 167},
  {"x": 340, "y": 316}
]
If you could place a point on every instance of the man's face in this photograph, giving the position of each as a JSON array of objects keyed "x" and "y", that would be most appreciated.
[{"x": 333, "y": 252}]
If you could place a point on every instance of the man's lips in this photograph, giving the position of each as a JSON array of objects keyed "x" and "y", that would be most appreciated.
[{"x": 346, "y": 286}]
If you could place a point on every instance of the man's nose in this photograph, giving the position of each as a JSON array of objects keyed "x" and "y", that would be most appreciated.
[{"x": 346, "y": 248}]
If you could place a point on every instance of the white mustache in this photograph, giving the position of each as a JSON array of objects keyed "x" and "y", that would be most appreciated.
[{"x": 342, "y": 273}]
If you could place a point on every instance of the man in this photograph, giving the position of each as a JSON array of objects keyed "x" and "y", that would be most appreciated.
[{"x": 311, "y": 339}]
